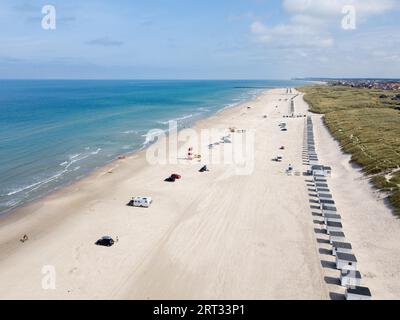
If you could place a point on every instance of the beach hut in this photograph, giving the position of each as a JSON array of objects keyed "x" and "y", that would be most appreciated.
[
  {"x": 321, "y": 185},
  {"x": 337, "y": 237},
  {"x": 321, "y": 170},
  {"x": 328, "y": 170},
  {"x": 346, "y": 261},
  {"x": 342, "y": 247},
  {"x": 328, "y": 209},
  {"x": 331, "y": 217},
  {"x": 350, "y": 278},
  {"x": 333, "y": 227},
  {"x": 320, "y": 179},
  {"x": 317, "y": 170},
  {"x": 324, "y": 195},
  {"x": 323, "y": 202},
  {"x": 358, "y": 293}
]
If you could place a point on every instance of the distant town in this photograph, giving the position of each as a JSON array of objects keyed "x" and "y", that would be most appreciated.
[
  {"x": 370, "y": 84},
  {"x": 380, "y": 84}
]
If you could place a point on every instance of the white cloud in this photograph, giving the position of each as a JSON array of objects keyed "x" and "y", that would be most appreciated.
[
  {"x": 311, "y": 22},
  {"x": 333, "y": 8},
  {"x": 291, "y": 36}
]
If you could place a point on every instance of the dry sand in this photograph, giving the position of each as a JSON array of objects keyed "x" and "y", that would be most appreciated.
[{"x": 214, "y": 235}]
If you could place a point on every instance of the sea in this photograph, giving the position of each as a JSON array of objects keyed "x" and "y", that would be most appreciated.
[{"x": 54, "y": 132}]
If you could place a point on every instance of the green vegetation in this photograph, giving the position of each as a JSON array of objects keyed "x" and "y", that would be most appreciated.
[{"x": 367, "y": 127}]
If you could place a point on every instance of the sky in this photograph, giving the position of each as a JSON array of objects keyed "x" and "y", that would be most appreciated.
[{"x": 207, "y": 39}]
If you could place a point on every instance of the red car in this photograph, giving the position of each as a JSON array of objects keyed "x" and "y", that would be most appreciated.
[{"x": 175, "y": 176}]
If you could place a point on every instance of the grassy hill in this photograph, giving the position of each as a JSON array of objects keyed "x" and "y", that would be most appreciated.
[{"x": 366, "y": 126}]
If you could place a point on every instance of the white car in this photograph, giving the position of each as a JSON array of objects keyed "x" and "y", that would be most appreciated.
[{"x": 141, "y": 202}]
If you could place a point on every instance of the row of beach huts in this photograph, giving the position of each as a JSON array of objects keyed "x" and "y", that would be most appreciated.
[{"x": 345, "y": 260}]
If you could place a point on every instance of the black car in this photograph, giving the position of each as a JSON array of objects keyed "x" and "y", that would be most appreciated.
[{"x": 105, "y": 242}]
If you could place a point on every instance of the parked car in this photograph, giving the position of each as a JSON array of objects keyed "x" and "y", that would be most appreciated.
[
  {"x": 176, "y": 176},
  {"x": 141, "y": 202},
  {"x": 105, "y": 241}
]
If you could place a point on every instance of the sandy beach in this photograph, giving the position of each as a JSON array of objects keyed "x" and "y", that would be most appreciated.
[{"x": 213, "y": 235}]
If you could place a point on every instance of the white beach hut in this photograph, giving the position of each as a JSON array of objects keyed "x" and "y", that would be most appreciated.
[
  {"x": 358, "y": 293},
  {"x": 337, "y": 237},
  {"x": 350, "y": 278},
  {"x": 326, "y": 202},
  {"x": 326, "y": 196},
  {"x": 321, "y": 170},
  {"x": 342, "y": 247},
  {"x": 333, "y": 227},
  {"x": 329, "y": 217},
  {"x": 346, "y": 261}
]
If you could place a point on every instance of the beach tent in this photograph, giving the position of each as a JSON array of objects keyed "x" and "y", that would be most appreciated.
[{"x": 203, "y": 169}]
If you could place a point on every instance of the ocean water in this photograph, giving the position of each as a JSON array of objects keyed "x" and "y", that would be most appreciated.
[{"x": 55, "y": 132}]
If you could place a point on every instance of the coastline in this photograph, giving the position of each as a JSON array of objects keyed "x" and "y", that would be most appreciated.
[
  {"x": 216, "y": 235},
  {"x": 63, "y": 227},
  {"x": 129, "y": 154}
]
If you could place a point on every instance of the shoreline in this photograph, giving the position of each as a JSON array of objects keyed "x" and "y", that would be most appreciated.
[
  {"x": 203, "y": 232},
  {"x": 209, "y": 235},
  {"x": 13, "y": 211}
]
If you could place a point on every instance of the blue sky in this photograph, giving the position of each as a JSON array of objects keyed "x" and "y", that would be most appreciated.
[{"x": 192, "y": 39}]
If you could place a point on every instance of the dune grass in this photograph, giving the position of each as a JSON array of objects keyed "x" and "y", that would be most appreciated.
[{"x": 367, "y": 127}]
